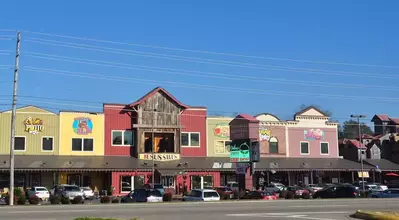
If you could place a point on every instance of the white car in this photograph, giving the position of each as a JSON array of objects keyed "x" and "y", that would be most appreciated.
[
  {"x": 87, "y": 192},
  {"x": 206, "y": 195},
  {"x": 40, "y": 192}
]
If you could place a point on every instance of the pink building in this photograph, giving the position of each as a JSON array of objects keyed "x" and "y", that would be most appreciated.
[
  {"x": 312, "y": 135},
  {"x": 309, "y": 135}
]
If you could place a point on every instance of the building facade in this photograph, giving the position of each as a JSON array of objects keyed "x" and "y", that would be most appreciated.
[
  {"x": 81, "y": 134},
  {"x": 218, "y": 136}
]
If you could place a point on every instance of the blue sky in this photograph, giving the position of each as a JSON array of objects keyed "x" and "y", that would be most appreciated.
[{"x": 355, "y": 32}]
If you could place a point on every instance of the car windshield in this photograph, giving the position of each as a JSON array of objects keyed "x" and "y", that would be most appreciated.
[
  {"x": 40, "y": 189},
  {"x": 71, "y": 188},
  {"x": 158, "y": 187}
]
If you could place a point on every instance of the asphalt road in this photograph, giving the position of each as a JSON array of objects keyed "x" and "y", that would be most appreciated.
[{"x": 280, "y": 209}]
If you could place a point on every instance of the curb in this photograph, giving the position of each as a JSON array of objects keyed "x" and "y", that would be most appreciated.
[{"x": 369, "y": 215}]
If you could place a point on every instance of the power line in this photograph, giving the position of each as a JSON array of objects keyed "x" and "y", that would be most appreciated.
[
  {"x": 210, "y": 74},
  {"x": 10, "y": 30},
  {"x": 208, "y": 87},
  {"x": 207, "y": 74},
  {"x": 210, "y": 52},
  {"x": 211, "y": 61}
]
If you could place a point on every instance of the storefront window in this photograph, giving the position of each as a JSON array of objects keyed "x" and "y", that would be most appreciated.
[
  {"x": 86, "y": 181},
  {"x": 20, "y": 180},
  {"x": 126, "y": 183},
  {"x": 196, "y": 182},
  {"x": 207, "y": 182},
  {"x": 35, "y": 179},
  {"x": 168, "y": 181},
  {"x": 201, "y": 182},
  {"x": 74, "y": 179},
  {"x": 129, "y": 183}
]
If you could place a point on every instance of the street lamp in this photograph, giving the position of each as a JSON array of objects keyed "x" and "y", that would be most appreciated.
[
  {"x": 361, "y": 150},
  {"x": 153, "y": 148}
]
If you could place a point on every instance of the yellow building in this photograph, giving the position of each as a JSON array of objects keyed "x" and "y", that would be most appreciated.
[{"x": 81, "y": 134}]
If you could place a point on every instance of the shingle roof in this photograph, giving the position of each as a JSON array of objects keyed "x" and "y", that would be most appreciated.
[
  {"x": 383, "y": 164},
  {"x": 298, "y": 164},
  {"x": 155, "y": 90},
  {"x": 381, "y": 117}
]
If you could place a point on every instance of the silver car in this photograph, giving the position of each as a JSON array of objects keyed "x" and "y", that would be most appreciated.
[{"x": 71, "y": 191}]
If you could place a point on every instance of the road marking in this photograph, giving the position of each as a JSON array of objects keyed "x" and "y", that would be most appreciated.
[
  {"x": 315, "y": 206},
  {"x": 299, "y": 215},
  {"x": 46, "y": 211}
]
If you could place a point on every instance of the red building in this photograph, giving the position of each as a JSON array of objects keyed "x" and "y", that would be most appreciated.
[{"x": 175, "y": 132}]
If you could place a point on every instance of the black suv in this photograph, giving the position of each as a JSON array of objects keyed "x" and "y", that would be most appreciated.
[{"x": 338, "y": 191}]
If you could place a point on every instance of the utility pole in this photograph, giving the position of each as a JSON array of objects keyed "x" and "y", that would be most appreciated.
[
  {"x": 361, "y": 149},
  {"x": 14, "y": 111},
  {"x": 153, "y": 147}
]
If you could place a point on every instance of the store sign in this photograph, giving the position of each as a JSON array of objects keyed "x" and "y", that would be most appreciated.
[
  {"x": 241, "y": 168},
  {"x": 33, "y": 125},
  {"x": 222, "y": 130},
  {"x": 82, "y": 126},
  {"x": 159, "y": 156},
  {"x": 240, "y": 151},
  {"x": 264, "y": 134},
  {"x": 314, "y": 134}
]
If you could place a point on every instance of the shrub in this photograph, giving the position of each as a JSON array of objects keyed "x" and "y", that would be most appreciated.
[
  {"x": 283, "y": 194},
  {"x": 34, "y": 200},
  {"x": 290, "y": 195},
  {"x": 238, "y": 195},
  {"x": 306, "y": 195},
  {"x": 18, "y": 192},
  {"x": 77, "y": 200},
  {"x": 65, "y": 200},
  {"x": 21, "y": 200},
  {"x": 105, "y": 199},
  {"x": 115, "y": 200},
  {"x": 55, "y": 200},
  {"x": 167, "y": 197}
]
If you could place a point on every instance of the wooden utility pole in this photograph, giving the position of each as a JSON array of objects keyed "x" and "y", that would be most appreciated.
[{"x": 14, "y": 111}]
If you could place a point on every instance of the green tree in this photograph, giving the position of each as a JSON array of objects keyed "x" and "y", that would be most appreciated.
[{"x": 350, "y": 129}]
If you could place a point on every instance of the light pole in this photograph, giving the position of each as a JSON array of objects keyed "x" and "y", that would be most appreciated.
[
  {"x": 361, "y": 149},
  {"x": 153, "y": 148}
]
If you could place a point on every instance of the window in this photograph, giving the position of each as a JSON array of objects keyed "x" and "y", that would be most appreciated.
[
  {"x": 19, "y": 143},
  {"x": 168, "y": 181},
  {"x": 222, "y": 147},
  {"x": 82, "y": 144},
  {"x": 129, "y": 183},
  {"x": 304, "y": 147},
  {"x": 122, "y": 138},
  {"x": 324, "y": 148},
  {"x": 273, "y": 145},
  {"x": 190, "y": 139},
  {"x": 47, "y": 144}
]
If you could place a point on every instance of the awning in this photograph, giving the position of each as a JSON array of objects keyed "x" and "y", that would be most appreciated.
[
  {"x": 309, "y": 164},
  {"x": 169, "y": 172},
  {"x": 382, "y": 164}
]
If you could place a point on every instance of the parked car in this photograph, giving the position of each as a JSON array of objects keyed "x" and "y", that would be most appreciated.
[
  {"x": 157, "y": 186},
  {"x": 226, "y": 190},
  {"x": 202, "y": 195},
  {"x": 87, "y": 192},
  {"x": 143, "y": 195},
  {"x": 69, "y": 191},
  {"x": 390, "y": 193},
  {"x": 339, "y": 191},
  {"x": 297, "y": 190},
  {"x": 274, "y": 187},
  {"x": 39, "y": 191},
  {"x": 313, "y": 188}
]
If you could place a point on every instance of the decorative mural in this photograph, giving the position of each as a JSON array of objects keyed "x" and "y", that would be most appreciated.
[
  {"x": 314, "y": 134},
  {"x": 264, "y": 133},
  {"x": 33, "y": 125},
  {"x": 82, "y": 125},
  {"x": 222, "y": 130}
]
